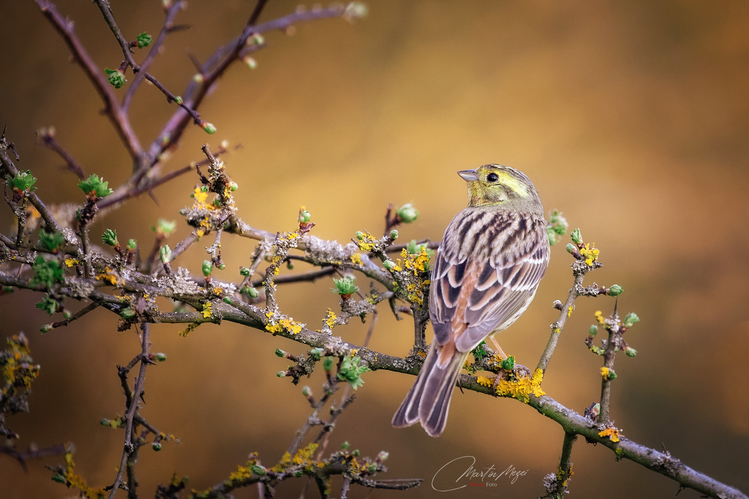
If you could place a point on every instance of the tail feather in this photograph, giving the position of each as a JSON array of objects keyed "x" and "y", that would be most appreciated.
[{"x": 429, "y": 400}]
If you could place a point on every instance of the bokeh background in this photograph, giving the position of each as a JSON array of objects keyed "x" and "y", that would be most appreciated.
[{"x": 630, "y": 117}]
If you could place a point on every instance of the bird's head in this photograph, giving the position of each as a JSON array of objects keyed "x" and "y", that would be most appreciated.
[{"x": 498, "y": 185}]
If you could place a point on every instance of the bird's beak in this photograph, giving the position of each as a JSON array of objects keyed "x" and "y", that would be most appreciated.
[{"x": 469, "y": 175}]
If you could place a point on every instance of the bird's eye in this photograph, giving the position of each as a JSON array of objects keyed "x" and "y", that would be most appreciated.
[{"x": 492, "y": 177}]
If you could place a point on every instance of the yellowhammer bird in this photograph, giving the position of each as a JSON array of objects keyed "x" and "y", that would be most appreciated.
[{"x": 488, "y": 266}]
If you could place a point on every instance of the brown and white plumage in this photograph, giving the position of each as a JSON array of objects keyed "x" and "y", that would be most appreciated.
[{"x": 486, "y": 272}]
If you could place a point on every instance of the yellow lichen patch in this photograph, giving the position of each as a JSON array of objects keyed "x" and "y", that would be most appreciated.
[
  {"x": 217, "y": 291},
  {"x": 293, "y": 235},
  {"x": 284, "y": 324},
  {"x": 420, "y": 261},
  {"x": 367, "y": 242},
  {"x": 590, "y": 253},
  {"x": 207, "y": 310},
  {"x": 481, "y": 380},
  {"x": 599, "y": 318},
  {"x": 605, "y": 372},
  {"x": 523, "y": 387},
  {"x": 612, "y": 433},
  {"x": 189, "y": 329},
  {"x": 200, "y": 198},
  {"x": 330, "y": 319},
  {"x": 569, "y": 310},
  {"x": 304, "y": 455},
  {"x": 108, "y": 276},
  {"x": 78, "y": 482},
  {"x": 356, "y": 259},
  {"x": 69, "y": 262}
]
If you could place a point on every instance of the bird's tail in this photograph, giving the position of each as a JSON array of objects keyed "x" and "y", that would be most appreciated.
[{"x": 428, "y": 401}]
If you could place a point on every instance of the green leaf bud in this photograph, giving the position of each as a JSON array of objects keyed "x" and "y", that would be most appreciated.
[
  {"x": 8, "y": 289},
  {"x": 388, "y": 264},
  {"x": 327, "y": 364},
  {"x": 612, "y": 374},
  {"x": 393, "y": 234},
  {"x": 305, "y": 216},
  {"x": 576, "y": 236},
  {"x": 209, "y": 128},
  {"x": 345, "y": 285},
  {"x": 356, "y": 10},
  {"x": 345, "y": 445},
  {"x": 221, "y": 266},
  {"x": 23, "y": 181},
  {"x": 94, "y": 185},
  {"x": 244, "y": 271},
  {"x": 110, "y": 237},
  {"x": 631, "y": 352},
  {"x": 233, "y": 186},
  {"x": 360, "y": 235},
  {"x": 383, "y": 455},
  {"x": 164, "y": 227},
  {"x": 105, "y": 422},
  {"x": 250, "y": 62},
  {"x": 45, "y": 328},
  {"x": 281, "y": 374},
  {"x": 51, "y": 241},
  {"x": 571, "y": 248},
  {"x": 551, "y": 234},
  {"x": 298, "y": 473},
  {"x": 48, "y": 304},
  {"x": 407, "y": 213},
  {"x": 631, "y": 319},
  {"x": 197, "y": 78},
  {"x": 67, "y": 314},
  {"x": 115, "y": 77},
  {"x": 615, "y": 290},
  {"x": 307, "y": 391},
  {"x": 356, "y": 453},
  {"x": 156, "y": 446},
  {"x": 252, "y": 293},
  {"x": 165, "y": 254},
  {"x": 127, "y": 313},
  {"x": 280, "y": 353},
  {"x": 372, "y": 468},
  {"x": 144, "y": 40},
  {"x": 228, "y": 300},
  {"x": 161, "y": 357},
  {"x": 46, "y": 272},
  {"x": 178, "y": 99},
  {"x": 508, "y": 364},
  {"x": 316, "y": 353},
  {"x": 593, "y": 330},
  {"x": 257, "y": 470},
  {"x": 207, "y": 267},
  {"x": 132, "y": 244},
  {"x": 257, "y": 39},
  {"x": 59, "y": 478}
]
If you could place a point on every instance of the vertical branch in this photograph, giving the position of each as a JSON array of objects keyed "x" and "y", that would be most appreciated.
[
  {"x": 132, "y": 406},
  {"x": 608, "y": 363},
  {"x": 556, "y": 328}
]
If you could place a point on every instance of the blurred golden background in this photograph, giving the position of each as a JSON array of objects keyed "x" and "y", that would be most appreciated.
[{"x": 631, "y": 118}]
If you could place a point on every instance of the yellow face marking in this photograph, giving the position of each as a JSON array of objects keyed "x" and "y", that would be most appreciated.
[{"x": 507, "y": 180}]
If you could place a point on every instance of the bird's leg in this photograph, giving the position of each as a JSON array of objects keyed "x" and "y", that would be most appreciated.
[
  {"x": 501, "y": 371},
  {"x": 501, "y": 353}
]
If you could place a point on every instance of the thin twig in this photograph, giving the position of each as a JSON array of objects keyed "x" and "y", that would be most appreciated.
[
  {"x": 117, "y": 115},
  {"x": 171, "y": 14},
  {"x": 47, "y": 138}
]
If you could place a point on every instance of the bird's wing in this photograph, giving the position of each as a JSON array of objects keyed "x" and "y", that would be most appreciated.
[{"x": 502, "y": 257}]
